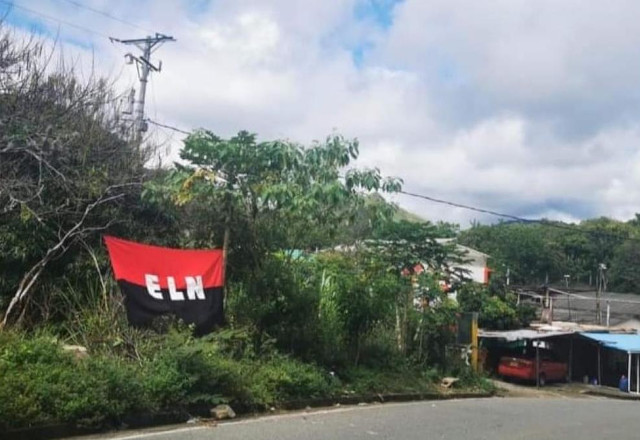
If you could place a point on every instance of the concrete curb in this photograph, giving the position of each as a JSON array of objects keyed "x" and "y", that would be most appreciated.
[{"x": 160, "y": 419}]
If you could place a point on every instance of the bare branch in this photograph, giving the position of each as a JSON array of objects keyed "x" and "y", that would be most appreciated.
[{"x": 29, "y": 279}]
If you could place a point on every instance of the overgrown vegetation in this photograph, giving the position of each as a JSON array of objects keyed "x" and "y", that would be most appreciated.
[
  {"x": 43, "y": 384},
  {"x": 325, "y": 291}
]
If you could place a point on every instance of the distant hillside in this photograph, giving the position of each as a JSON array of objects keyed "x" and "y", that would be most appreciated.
[{"x": 401, "y": 213}]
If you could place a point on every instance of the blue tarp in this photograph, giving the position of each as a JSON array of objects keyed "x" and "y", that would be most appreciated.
[{"x": 625, "y": 342}]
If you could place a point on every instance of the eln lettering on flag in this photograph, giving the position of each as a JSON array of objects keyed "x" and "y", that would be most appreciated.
[{"x": 158, "y": 280}]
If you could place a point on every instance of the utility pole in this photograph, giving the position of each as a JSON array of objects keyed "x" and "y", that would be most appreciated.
[
  {"x": 144, "y": 66},
  {"x": 601, "y": 287}
]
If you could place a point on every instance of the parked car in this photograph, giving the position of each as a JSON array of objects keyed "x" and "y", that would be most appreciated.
[{"x": 523, "y": 367}]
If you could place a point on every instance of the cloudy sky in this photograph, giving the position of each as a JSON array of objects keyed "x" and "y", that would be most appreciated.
[{"x": 525, "y": 107}]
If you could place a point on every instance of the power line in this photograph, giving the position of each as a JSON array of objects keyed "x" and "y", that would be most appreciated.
[
  {"x": 106, "y": 14},
  {"x": 467, "y": 207},
  {"x": 168, "y": 127},
  {"x": 52, "y": 18},
  {"x": 543, "y": 222}
]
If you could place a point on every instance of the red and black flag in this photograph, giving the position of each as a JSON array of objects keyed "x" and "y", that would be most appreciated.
[{"x": 157, "y": 280}]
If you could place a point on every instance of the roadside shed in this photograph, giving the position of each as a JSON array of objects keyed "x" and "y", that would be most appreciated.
[
  {"x": 501, "y": 343},
  {"x": 618, "y": 347}
]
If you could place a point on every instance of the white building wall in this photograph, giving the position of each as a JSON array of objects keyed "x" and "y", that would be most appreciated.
[{"x": 476, "y": 273}]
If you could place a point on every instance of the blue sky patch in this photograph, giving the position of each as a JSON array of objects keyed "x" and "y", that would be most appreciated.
[
  {"x": 17, "y": 18},
  {"x": 41, "y": 27},
  {"x": 197, "y": 7},
  {"x": 357, "y": 53},
  {"x": 577, "y": 208},
  {"x": 380, "y": 11}
]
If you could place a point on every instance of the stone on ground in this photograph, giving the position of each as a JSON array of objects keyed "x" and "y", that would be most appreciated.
[{"x": 222, "y": 412}]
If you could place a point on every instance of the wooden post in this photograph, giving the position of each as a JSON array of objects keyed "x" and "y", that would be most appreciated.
[
  {"x": 546, "y": 294},
  {"x": 474, "y": 341},
  {"x": 225, "y": 251},
  {"x": 570, "y": 378},
  {"x": 537, "y": 342},
  {"x": 225, "y": 245},
  {"x": 637, "y": 373},
  {"x": 599, "y": 373},
  {"x": 629, "y": 374}
]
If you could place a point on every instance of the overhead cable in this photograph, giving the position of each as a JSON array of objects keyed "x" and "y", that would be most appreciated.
[
  {"x": 544, "y": 222},
  {"x": 110, "y": 16},
  {"x": 52, "y": 18},
  {"x": 159, "y": 124}
]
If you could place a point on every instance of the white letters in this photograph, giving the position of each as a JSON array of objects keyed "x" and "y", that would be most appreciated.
[
  {"x": 153, "y": 286},
  {"x": 195, "y": 288},
  {"x": 174, "y": 294}
]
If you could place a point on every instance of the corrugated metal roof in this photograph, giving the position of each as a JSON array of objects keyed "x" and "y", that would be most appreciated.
[
  {"x": 627, "y": 343},
  {"x": 517, "y": 335}
]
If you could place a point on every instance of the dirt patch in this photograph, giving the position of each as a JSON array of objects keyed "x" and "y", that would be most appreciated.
[{"x": 512, "y": 389}]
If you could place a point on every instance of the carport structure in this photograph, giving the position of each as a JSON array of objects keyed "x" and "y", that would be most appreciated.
[
  {"x": 625, "y": 343},
  {"x": 535, "y": 337}
]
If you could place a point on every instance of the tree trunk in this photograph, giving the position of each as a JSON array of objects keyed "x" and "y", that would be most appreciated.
[{"x": 27, "y": 281}]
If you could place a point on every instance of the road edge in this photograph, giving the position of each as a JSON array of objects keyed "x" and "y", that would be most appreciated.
[{"x": 144, "y": 421}]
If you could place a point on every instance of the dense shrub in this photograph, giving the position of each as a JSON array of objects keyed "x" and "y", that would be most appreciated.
[
  {"x": 40, "y": 383},
  {"x": 282, "y": 378}
]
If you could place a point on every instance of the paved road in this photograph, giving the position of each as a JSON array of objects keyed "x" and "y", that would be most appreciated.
[{"x": 491, "y": 419}]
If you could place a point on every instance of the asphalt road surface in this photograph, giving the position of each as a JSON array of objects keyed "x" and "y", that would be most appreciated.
[{"x": 475, "y": 419}]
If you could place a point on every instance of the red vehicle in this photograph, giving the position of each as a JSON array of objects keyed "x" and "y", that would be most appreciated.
[{"x": 523, "y": 367}]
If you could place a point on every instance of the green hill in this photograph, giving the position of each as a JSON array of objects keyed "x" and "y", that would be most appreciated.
[{"x": 401, "y": 213}]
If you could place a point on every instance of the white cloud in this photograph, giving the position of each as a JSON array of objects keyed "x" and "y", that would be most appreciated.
[{"x": 517, "y": 106}]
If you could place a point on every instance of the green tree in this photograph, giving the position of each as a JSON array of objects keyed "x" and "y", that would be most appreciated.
[
  {"x": 258, "y": 198},
  {"x": 407, "y": 249},
  {"x": 624, "y": 275}
]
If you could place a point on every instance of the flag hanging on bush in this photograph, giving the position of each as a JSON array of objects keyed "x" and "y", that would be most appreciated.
[{"x": 157, "y": 280}]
